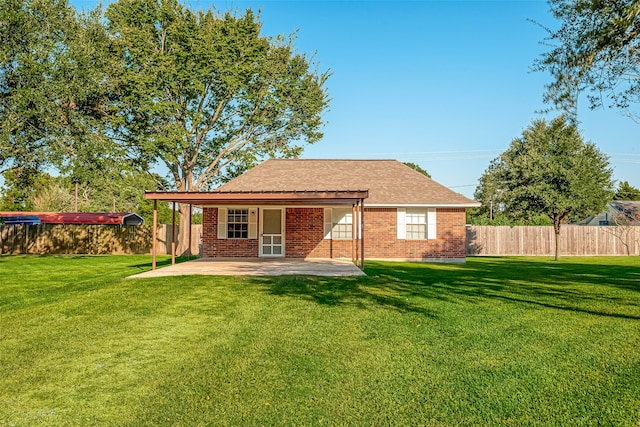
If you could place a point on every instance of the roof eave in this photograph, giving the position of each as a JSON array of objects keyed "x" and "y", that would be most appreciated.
[
  {"x": 259, "y": 197},
  {"x": 424, "y": 205}
]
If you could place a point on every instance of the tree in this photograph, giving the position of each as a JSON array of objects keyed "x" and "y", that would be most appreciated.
[
  {"x": 488, "y": 192},
  {"x": 493, "y": 211},
  {"x": 21, "y": 187},
  {"x": 417, "y": 168},
  {"x": 551, "y": 171},
  {"x": 596, "y": 49},
  {"x": 626, "y": 191},
  {"x": 54, "y": 91},
  {"x": 205, "y": 94},
  {"x": 54, "y": 197},
  {"x": 33, "y": 36}
]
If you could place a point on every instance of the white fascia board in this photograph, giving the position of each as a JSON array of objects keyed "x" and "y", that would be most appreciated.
[
  {"x": 235, "y": 206},
  {"x": 422, "y": 205},
  {"x": 366, "y": 205}
]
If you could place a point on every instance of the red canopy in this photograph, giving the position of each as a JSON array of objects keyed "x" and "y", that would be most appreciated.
[{"x": 84, "y": 218}]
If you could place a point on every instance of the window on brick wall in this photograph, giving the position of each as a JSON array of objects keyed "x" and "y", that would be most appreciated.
[
  {"x": 416, "y": 223},
  {"x": 341, "y": 224},
  {"x": 238, "y": 223}
]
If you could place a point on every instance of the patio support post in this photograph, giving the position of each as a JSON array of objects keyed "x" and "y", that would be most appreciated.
[
  {"x": 190, "y": 226},
  {"x": 362, "y": 234},
  {"x": 353, "y": 233},
  {"x": 173, "y": 235},
  {"x": 155, "y": 234},
  {"x": 356, "y": 235}
]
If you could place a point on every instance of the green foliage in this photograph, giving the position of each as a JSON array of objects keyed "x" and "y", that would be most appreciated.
[
  {"x": 549, "y": 171},
  {"x": 145, "y": 210},
  {"x": 493, "y": 342},
  {"x": 52, "y": 84},
  {"x": 626, "y": 191},
  {"x": 480, "y": 216},
  {"x": 596, "y": 49},
  {"x": 206, "y": 94},
  {"x": 417, "y": 168},
  {"x": 102, "y": 97},
  {"x": 21, "y": 186},
  {"x": 33, "y": 35},
  {"x": 117, "y": 191}
]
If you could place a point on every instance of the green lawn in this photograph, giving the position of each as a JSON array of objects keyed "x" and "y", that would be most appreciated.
[{"x": 497, "y": 341}]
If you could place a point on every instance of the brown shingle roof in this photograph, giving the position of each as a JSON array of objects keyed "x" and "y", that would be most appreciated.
[{"x": 389, "y": 182}]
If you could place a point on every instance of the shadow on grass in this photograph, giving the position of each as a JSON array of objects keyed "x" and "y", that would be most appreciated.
[
  {"x": 598, "y": 289},
  {"x": 333, "y": 291},
  {"x": 163, "y": 262}
]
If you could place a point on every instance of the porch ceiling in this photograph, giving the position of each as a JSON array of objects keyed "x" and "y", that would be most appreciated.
[{"x": 329, "y": 197}]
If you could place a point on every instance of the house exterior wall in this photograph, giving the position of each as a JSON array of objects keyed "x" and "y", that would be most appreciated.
[
  {"x": 212, "y": 247},
  {"x": 380, "y": 232},
  {"x": 304, "y": 237}
]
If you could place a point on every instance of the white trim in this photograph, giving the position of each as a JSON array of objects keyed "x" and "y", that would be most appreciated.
[
  {"x": 423, "y": 205},
  {"x": 401, "y": 223},
  {"x": 222, "y": 223},
  {"x": 328, "y": 224},
  {"x": 236, "y": 206},
  {"x": 368, "y": 205},
  {"x": 431, "y": 224},
  {"x": 253, "y": 223}
]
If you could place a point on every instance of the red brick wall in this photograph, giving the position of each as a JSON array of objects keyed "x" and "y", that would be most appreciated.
[
  {"x": 212, "y": 247},
  {"x": 380, "y": 231},
  {"x": 304, "y": 237},
  {"x": 304, "y": 233},
  {"x": 304, "y": 228}
]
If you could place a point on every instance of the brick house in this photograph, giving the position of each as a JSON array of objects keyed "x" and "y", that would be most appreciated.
[{"x": 298, "y": 208}]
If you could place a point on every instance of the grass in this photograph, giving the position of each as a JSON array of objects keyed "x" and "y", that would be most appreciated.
[{"x": 496, "y": 341}]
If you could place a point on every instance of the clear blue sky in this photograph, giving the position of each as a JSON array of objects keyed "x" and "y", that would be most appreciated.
[{"x": 444, "y": 84}]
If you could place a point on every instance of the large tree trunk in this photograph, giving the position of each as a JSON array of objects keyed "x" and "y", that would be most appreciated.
[{"x": 182, "y": 247}]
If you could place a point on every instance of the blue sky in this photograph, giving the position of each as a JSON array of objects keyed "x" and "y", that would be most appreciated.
[{"x": 444, "y": 84}]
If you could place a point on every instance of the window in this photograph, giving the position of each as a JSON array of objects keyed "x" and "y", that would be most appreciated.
[
  {"x": 416, "y": 220},
  {"x": 341, "y": 224},
  {"x": 416, "y": 223},
  {"x": 238, "y": 224}
]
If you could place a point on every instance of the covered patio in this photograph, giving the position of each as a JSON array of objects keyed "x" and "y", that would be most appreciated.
[
  {"x": 257, "y": 267},
  {"x": 347, "y": 198}
]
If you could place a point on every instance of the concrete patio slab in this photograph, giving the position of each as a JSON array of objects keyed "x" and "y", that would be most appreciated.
[{"x": 256, "y": 267}]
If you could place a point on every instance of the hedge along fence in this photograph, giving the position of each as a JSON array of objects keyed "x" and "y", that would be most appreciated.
[
  {"x": 539, "y": 240},
  {"x": 90, "y": 239}
]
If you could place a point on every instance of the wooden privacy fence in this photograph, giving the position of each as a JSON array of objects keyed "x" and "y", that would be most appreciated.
[
  {"x": 90, "y": 239},
  {"x": 539, "y": 240}
]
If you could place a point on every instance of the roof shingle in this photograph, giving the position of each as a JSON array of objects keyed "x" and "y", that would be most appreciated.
[{"x": 389, "y": 182}]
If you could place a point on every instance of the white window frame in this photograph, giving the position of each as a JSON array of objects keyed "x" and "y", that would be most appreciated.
[
  {"x": 232, "y": 215},
  {"x": 416, "y": 224},
  {"x": 342, "y": 224},
  {"x": 407, "y": 218},
  {"x": 223, "y": 222},
  {"x": 338, "y": 217}
]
